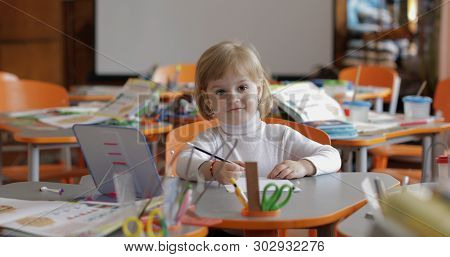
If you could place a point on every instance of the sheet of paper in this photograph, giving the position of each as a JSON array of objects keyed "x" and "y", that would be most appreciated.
[
  {"x": 11, "y": 209},
  {"x": 67, "y": 121},
  {"x": 366, "y": 128},
  {"x": 54, "y": 218},
  {"x": 41, "y": 113},
  {"x": 241, "y": 183},
  {"x": 130, "y": 100}
]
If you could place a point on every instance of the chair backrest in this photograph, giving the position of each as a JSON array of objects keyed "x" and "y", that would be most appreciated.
[
  {"x": 441, "y": 98},
  {"x": 6, "y": 76},
  {"x": 376, "y": 76},
  {"x": 186, "y": 73},
  {"x": 176, "y": 139},
  {"x": 25, "y": 95}
]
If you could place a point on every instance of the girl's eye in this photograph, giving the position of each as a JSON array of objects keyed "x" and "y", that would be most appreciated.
[
  {"x": 220, "y": 92},
  {"x": 243, "y": 87}
]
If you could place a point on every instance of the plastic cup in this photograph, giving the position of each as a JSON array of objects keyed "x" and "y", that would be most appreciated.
[
  {"x": 357, "y": 110},
  {"x": 417, "y": 107}
]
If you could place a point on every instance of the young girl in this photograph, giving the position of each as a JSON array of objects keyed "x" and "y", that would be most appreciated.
[{"x": 232, "y": 86}]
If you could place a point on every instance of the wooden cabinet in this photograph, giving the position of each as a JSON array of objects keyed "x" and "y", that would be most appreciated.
[
  {"x": 49, "y": 40},
  {"x": 31, "y": 42}
]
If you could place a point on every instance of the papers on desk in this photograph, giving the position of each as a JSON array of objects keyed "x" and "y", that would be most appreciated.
[
  {"x": 40, "y": 113},
  {"x": 304, "y": 102},
  {"x": 134, "y": 96},
  {"x": 55, "y": 218},
  {"x": 96, "y": 90},
  {"x": 68, "y": 121},
  {"x": 367, "y": 128},
  {"x": 382, "y": 122},
  {"x": 242, "y": 184}
]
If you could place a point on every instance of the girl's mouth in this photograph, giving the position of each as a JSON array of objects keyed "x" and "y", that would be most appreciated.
[{"x": 236, "y": 109}]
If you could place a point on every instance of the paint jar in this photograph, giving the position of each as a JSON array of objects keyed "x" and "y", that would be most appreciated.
[
  {"x": 357, "y": 110},
  {"x": 417, "y": 107}
]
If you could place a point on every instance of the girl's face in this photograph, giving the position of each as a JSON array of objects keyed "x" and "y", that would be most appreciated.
[{"x": 233, "y": 98}]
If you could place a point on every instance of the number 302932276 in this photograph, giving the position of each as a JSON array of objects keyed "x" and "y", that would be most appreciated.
[{"x": 288, "y": 246}]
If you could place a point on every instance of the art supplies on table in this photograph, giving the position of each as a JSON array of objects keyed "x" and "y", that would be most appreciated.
[
  {"x": 275, "y": 194},
  {"x": 172, "y": 191},
  {"x": 252, "y": 186},
  {"x": 177, "y": 199},
  {"x": 241, "y": 183},
  {"x": 239, "y": 194},
  {"x": 135, "y": 227},
  {"x": 274, "y": 201},
  {"x": 56, "y": 218},
  {"x": 208, "y": 153}
]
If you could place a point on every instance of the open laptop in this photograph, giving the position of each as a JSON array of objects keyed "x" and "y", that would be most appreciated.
[{"x": 110, "y": 150}]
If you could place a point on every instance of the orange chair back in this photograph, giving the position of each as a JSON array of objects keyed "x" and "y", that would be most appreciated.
[
  {"x": 375, "y": 76},
  {"x": 6, "y": 76},
  {"x": 441, "y": 98},
  {"x": 25, "y": 95},
  {"x": 176, "y": 139},
  {"x": 185, "y": 75}
]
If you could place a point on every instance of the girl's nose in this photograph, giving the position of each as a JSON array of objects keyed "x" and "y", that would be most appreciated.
[{"x": 234, "y": 97}]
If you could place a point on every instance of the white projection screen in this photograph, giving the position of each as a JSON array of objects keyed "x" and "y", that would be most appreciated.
[{"x": 292, "y": 36}]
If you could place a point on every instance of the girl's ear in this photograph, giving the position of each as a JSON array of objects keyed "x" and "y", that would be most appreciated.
[
  {"x": 207, "y": 103},
  {"x": 260, "y": 89}
]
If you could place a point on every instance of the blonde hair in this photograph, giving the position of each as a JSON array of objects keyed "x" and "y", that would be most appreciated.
[{"x": 230, "y": 56}]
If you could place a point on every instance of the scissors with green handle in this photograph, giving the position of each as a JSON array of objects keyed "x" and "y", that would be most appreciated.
[
  {"x": 270, "y": 202},
  {"x": 134, "y": 227}
]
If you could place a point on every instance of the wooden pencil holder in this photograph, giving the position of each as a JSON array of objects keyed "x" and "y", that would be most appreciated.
[{"x": 246, "y": 212}]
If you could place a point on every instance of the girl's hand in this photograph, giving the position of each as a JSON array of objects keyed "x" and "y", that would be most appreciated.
[
  {"x": 292, "y": 170},
  {"x": 229, "y": 170}
]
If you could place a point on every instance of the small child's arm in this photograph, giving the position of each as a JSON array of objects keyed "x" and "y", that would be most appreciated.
[{"x": 304, "y": 157}]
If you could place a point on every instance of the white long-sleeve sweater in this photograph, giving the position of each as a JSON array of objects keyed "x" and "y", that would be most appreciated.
[{"x": 266, "y": 144}]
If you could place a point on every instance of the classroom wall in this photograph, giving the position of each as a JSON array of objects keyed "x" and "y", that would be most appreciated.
[{"x": 293, "y": 36}]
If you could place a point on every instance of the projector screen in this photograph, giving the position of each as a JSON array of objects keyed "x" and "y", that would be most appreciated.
[{"x": 292, "y": 36}]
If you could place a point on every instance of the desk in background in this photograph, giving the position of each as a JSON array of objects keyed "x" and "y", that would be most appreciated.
[
  {"x": 428, "y": 133},
  {"x": 41, "y": 136},
  {"x": 106, "y": 93}
]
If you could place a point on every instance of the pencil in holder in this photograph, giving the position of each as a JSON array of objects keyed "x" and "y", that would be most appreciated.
[{"x": 248, "y": 213}]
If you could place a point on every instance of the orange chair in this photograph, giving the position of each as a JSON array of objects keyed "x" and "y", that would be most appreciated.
[
  {"x": 30, "y": 94},
  {"x": 6, "y": 76},
  {"x": 27, "y": 95},
  {"x": 382, "y": 154},
  {"x": 164, "y": 73},
  {"x": 376, "y": 76},
  {"x": 176, "y": 139}
]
